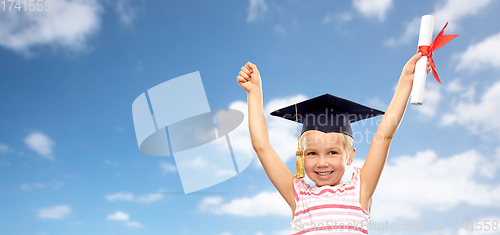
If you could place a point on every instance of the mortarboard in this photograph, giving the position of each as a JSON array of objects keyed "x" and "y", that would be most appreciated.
[{"x": 326, "y": 113}]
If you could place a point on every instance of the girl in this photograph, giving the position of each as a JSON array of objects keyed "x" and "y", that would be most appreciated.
[{"x": 326, "y": 145}]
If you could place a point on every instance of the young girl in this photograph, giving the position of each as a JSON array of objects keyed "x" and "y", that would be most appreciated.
[{"x": 326, "y": 146}]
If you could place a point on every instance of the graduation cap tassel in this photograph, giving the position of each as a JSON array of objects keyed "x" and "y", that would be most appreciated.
[
  {"x": 300, "y": 165},
  {"x": 299, "y": 171}
]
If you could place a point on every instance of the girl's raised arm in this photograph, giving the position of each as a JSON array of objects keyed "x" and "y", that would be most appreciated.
[
  {"x": 379, "y": 148},
  {"x": 279, "y": 174}
]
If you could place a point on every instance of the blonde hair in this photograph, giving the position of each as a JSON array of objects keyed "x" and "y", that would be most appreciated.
[{"x": 346, "y": 139}]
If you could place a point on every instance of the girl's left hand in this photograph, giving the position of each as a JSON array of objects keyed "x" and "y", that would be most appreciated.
[{"x": 409, "y": 68}]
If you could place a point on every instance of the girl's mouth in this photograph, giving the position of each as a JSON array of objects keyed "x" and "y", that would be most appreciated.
[{"x": 324, "y": 175}]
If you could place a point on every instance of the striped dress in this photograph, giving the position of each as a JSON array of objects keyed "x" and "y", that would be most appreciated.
[{"x": 329, "y": 210}]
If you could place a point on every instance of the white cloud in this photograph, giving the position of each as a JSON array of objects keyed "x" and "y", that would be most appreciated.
[
  {"x": 497, "y": 156},
  {"x": 3, "y": 148},
  {"x": 282, "y": 232},
  {"x": 480, "y": 118},
  {"x": 282, "y": 133},
  {"x": 256, "y": 10},
  {"x": 224, "y": 172},
  {"x": 482, "y": 55},
  {"x": 68, "y": 24},
  {"x": 121, "y": 216},
  {"x": 56, "y": 212},
  {"x": 200, "y": 163},
  {"x": 412, "y": 29},
  {"x": 41, "y": 144},
  {"x": 153, "y": 197},
  {"x": 218, "y": 169},
  {"x": 120, "y": 197},
  {"x": 149, "y": 198},
  {"x": 53, "y": 184},
  {"x": 167, "y": 167},
  {"x": 339, "y": 17},
  {"x": 456, "y": 10},
  {"x": 209, "y": 202},
  {"x": 465, "y": 92},
  {"x": 432, "y": 96},
  {"x": 408, "y": 184},
  {"x": 133, "y": 224},
  {"x": 455, "y": 86},
  {"x": 111, "y": 163},
  {"x": 32, "y": 186},
  {"x": 373, "y": 8},
  {"x": 262, "y": 204},
  {"x": 125, "y": 12},
  {"x": 240, "y": 137},
  {"x": 452, "y": 11}
]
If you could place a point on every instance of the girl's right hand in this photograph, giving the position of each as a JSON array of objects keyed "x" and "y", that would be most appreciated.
[{"x": 249, "y": 77}]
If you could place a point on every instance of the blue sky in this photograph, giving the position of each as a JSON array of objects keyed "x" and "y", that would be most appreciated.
[{"x": 69, "y": 161}]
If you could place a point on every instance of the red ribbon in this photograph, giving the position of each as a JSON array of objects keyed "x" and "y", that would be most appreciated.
[{"x": 438, "y": 42}]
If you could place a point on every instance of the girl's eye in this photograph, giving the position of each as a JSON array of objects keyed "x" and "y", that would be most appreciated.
[
  {"x": 311, "y": 153},
  {"x": 333, "y": 152}
]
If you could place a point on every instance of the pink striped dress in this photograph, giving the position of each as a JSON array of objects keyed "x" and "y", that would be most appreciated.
[{"x": 329, "y": 210}]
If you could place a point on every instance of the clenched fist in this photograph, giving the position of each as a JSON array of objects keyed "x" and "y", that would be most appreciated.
[
  {"x": 409, "y": 69},
  {"x": 249, "y": 77}
]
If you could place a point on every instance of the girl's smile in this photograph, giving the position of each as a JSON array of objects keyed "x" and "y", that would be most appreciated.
[{"x": 324, "y": 175}]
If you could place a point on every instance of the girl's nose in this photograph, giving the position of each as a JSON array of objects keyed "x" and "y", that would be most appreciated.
[{"x": 322, "y": 162}]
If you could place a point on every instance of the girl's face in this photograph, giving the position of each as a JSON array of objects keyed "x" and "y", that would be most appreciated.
[{"x": 325, "y": 158}]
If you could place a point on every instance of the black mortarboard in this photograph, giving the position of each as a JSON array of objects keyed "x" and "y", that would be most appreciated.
[{"x": 327, "y": 113}]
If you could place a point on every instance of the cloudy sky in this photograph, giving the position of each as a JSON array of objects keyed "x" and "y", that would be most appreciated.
[{"x": 69, "y": 160}]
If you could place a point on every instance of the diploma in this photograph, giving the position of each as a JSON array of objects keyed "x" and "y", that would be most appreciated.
[{"x": 424, "y": 39}]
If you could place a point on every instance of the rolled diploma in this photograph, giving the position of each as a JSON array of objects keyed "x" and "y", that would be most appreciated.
[{"x": 424, "y": 39}]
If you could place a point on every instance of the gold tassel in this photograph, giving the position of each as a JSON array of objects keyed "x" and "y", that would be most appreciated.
[
  {"x": 300, "y": 165},
  {"x": 299, "y": 171}
]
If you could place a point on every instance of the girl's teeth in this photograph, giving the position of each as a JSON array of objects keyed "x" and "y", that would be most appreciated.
[{"x": 325, "y": 173}]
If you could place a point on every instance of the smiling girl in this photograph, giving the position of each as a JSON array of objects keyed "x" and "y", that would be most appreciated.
[{"x": 325, "y": 150}]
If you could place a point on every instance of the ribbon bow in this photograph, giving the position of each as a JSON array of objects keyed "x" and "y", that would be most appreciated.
[{"x": 438, "y": 42}]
